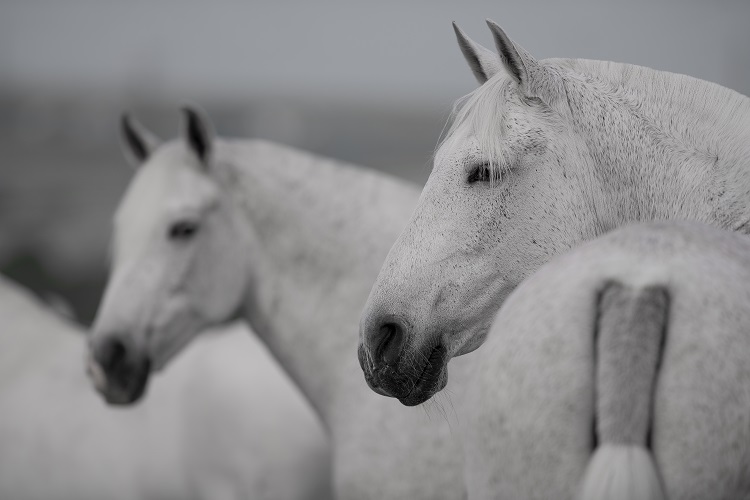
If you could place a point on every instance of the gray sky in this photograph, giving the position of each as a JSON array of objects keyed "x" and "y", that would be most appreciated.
[{"x": 377, "y": 51}]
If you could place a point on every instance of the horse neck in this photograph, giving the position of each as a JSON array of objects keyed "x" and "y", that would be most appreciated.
[
  {"x": 321, "y": 231},
  {"x": 672, "y": 146}
]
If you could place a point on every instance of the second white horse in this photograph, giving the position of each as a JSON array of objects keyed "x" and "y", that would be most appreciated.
[{"x": 215, "y": 229}]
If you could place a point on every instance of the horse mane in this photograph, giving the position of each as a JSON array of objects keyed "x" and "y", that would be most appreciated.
[
  {"x": 709, "y": 107},
  {"x": 697, "y": 112}
]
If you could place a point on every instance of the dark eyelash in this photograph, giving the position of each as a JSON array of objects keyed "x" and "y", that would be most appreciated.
[
  {"x": 182, "y": 230},
  {"x": 480, "y": 173}
]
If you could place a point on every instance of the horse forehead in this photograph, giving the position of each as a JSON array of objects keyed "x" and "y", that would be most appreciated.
[
  {"x": 459, "y": 148},
  {"x": 167, "y": 183},
  {"x": 482, "y": 118}
]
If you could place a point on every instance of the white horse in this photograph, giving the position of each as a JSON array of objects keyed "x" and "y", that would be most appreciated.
[
  {"x": 210, "y": 230},
  {"x": 224, "y": 423},
  {"x": 634, "y": 348},
  {"x": 541, "y": 157}
]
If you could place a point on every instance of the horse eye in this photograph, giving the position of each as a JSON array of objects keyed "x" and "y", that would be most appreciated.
[
  {"x": 480, "y": 173},
  {"x": 182, "y": 230}
]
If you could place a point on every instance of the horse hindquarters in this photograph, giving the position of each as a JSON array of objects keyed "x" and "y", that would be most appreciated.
[
  {"x": 630, "y": 330},
  {"x": 530, "y": 408},
  {"x": 526, "y": 421},
  {"x": 700, "y": 420}
]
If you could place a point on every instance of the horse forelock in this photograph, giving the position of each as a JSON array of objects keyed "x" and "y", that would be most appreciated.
[{"x": 480, "y": 115}]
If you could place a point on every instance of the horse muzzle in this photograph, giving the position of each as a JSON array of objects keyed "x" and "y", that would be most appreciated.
[
  {"x": 118, "y": 372},
  {"x": 411, "y": 383}
]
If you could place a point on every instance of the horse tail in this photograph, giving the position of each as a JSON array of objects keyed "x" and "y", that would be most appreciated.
[{"x": 630, "y": 333}]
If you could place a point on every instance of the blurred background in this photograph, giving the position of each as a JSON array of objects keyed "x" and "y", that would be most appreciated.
[{"x": 366, "y": 82}]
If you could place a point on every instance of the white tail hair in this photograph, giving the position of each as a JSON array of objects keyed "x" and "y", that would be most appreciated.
[
  {"x": 621, "y": 472},
  {"x": 631, "y": 328}
]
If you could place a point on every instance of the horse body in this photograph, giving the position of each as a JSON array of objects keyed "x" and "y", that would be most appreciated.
[
  {"x": 59, "y": 441},
  {"x": 306, "y": 238},
  {"x": 530, "y": 407}
]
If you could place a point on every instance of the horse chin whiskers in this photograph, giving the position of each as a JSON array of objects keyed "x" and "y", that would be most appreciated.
[{"x": 441, "y": 403}]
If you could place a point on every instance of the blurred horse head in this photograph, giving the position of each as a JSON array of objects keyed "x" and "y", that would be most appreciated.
[{"x": 178, "y": 258}]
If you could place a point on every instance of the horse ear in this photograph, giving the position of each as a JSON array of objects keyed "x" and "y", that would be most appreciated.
[
  {"x": 483, "y": 62},
  {"x": 517, "y": 61},
  {"x": 138, "y": 143},
  {"x": 198, "y": 133}
]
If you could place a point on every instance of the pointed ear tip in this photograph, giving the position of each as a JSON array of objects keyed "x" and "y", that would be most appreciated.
[
  {"x": 494, "y": 26},
  {"x": 188, "y": 111}
]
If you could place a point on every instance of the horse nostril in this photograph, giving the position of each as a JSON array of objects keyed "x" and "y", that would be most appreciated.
[
  {"x": 112, "y": 353},
  {"x": 392, "y": 342}
]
